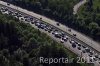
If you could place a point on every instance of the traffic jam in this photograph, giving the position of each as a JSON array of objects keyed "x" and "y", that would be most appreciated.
[{"x": 57, "y": 33}]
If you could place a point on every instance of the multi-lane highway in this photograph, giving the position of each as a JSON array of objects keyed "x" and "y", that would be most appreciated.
[
  {"x": 80, "y": 36},
  {"x": 73, "y": 43}
]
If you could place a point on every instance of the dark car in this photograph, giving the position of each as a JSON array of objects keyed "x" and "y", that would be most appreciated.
[
  {"x": 95, "y": 59},
  {"x": 87, "y": 50},
  {"x": 10, "y": 12},
  {"x": 73, "y": 45},
  {"x": 32, "y": 22},
  {"x": 74, "y": 34},
  {"x": 97, "y": 56},
  {"x": 83, "y": 46},
  {"x": 79, "y": 48},
  {"x": 84, "y": 51},
  {"x": 57, "y": 24},
  {"x": 79, "y": 45},
  {"x": 8, "y": 4},
  {"x": 31, "y": 19},
  {"x": 57, "y": 35},
  {"x": 91, "y": 53}
]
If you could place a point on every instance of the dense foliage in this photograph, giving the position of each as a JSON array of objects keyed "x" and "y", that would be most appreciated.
[
  {"x": 58, "y": 9},
  {"x": 89, "y": 18},
  {"x": 22, "y": 45},
  {"x": 62, "y": 10}
]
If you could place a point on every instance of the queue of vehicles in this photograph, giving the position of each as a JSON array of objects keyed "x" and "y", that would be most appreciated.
[{"x": 50, "y": 29}]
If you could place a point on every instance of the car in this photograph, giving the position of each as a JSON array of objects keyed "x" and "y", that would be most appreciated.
[
  {"x": 57, "y": 35},
  {"x": 22, "y": 18},
  {"x": 99, "y": 55},
  {"x": 95, "y": 59},
  {"x": 25, "y": 16},
  {"x": 49, "y": 29},
  {"x": 10, "y": 12},
  {"x": 69, "y": 30},
  {"x": 91, "y": 53},
  {"x": 96, "y": 55},
  {"x": 91, "y": 59},
  {"x": 31, "y": 18},
  {"x": 57, "y": 24},
  {"x": 46, "y": 29},
  {"x": 79, "y": 44},
  {"x": 73, "y": 45},
  {"x": 6, "y": 9},
  {"x": 8, "y": 4},
  {"x": 37, "y": 24},
  {"x": 79, "y": 48},
  {"x": 62, "y": 41},
  {"x": 83, "y": 46},
  {"x": 27, "y": 19},
  {"x": 42, "y": 26},
  {"x": 55, "y": 32},
  {"x": 87, "y": 49},
  {"x": 84, "y": 51},
  {"x": 99, "y": 58},
  {"x": 62, "y": 33},
  {"x": 72, "y": 41},
  {"x": 74, "y": 34},
  {"x": 3, "y": 10},
  {"x": 37, "y": 20},
  {"x": 40, "y": 18},
  {"x": 65, "y": 38},
  {"x": 76, "y": 42},
  {"x": 32, "y": 22},
  {"x": 15, "y": 14},
  {"x": 19, "y": 15},
  {"x": 52, "y": 27}
]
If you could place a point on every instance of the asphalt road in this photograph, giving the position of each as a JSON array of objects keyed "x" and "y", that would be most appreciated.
[
  {"x": 77, "y": 6},
  {"x": 80, "y": 36}
]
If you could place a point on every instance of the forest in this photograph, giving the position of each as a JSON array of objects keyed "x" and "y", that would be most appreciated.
[
  {"x": 86, "y": 21},
  {"x": 89, "y": 16},
  {"x": 23, "y": 45}
]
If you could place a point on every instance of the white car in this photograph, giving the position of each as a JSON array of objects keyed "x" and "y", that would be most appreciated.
[
  {"x": 65, "y": 38},
  {"x": 62, "y": 41},
  {"x": 96, "y": 55},
  {"x": 72, "y": 41}
]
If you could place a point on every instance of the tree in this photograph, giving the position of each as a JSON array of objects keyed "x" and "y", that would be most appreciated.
[{"x": 93, "y": 25}]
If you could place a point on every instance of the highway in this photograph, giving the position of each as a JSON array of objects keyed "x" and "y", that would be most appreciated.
[
  {"x": 67, "y": 44},
  {"x": 80, "y": 36}
]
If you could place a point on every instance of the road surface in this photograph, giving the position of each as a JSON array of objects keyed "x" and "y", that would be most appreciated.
[
  {"x": 80, "y": 36},
  {"x": 77, "y": 6}
]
